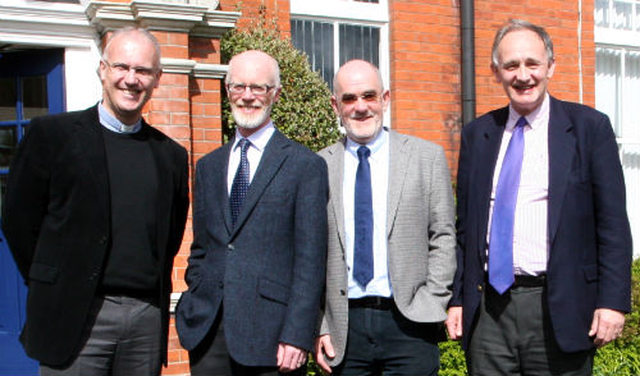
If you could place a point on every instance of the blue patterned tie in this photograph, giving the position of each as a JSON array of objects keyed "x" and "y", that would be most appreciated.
[
  {"x": 504, "y": 206},
  {"x": 240, "y": 184},
  {"x": 363, "y": 220}
]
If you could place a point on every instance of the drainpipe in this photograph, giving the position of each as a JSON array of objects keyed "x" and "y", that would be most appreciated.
[{"x": 467, "y": 45}]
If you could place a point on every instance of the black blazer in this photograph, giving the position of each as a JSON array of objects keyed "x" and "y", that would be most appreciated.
[
  {"x": 590, "y": 250},
  {"x": 269, "y": 271},
  {"x": 56, "y": 219}
]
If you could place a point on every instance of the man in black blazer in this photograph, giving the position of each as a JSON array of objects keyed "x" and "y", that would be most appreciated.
[
  {"x": 566, "y": 285},
  {"x": 94, "y": 213},
  {"x": 257, "y": 264}
]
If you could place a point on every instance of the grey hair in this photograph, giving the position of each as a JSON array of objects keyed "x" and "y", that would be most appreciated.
[
  {"x": 515, "y": 25},
  {"x": 130, "y": 30},
  {"x": 274, "y": 66}
]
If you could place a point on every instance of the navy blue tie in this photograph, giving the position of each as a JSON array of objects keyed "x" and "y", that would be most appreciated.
[
  {"x": 240, "y": 184},
  {"x": 363, "y": 220},
  {"x": 504, "y": 207}
]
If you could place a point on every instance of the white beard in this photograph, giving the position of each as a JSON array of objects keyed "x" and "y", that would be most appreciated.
[{"x": 250, "y": 121}]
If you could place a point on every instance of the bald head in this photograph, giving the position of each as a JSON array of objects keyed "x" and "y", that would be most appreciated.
[
  {"x": 357, "y": 70},
  {"x": 259, "y": 63}
]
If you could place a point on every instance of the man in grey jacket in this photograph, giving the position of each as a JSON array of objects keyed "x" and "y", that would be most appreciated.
[{"x": 391, "y": 255}]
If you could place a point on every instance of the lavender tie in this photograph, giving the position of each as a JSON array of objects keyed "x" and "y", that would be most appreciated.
[{"x": 501, "y": 238}]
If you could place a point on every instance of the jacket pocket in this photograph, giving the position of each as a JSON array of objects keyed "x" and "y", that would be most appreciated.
[
  {"x": 273, "y": 291},
  {"x": 43, "y": 273}
]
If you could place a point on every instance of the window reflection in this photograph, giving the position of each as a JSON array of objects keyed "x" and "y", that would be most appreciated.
[
  {"x": 34, "y": 96},
  {"x": 7, "y": 99}
]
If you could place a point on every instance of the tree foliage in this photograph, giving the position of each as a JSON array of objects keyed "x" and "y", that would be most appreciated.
[{"x": 303, "y": 112}]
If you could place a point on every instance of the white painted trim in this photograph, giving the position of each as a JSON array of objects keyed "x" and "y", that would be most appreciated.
[
  {"x": 342, "y": 10},
  {"x": 175, "y": 296}
]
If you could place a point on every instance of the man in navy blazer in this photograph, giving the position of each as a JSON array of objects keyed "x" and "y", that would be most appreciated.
[
  {"x": 569, "y": 284},
  {"x": 257, "y": 264}
]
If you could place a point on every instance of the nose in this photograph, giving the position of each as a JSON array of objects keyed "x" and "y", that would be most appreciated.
[
  {"x": 130, "y": 77},
  {"x": 247, "y": 94},
  {"x": 360, "y": 105},
  {"x": 523, "y": 73}
]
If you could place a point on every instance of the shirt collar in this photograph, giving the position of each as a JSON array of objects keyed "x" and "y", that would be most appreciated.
[
  {"x": 115, "y": 125},
  {"x": 374, "y": 145},
  {"x": 534, "y": 119},
  {"x": 258, "y": 139}
]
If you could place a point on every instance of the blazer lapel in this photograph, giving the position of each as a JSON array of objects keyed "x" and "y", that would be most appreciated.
[
  {"x": 561, "y": 153},
  {"x": 89, "y": 131},
  {"x": 335, "y": 164},
  {"x": 272, "y": 159},
  {"x": 487, "y": 157},
  {"x": 398, "y": 166},
  {"x": 220, "y": 175}
]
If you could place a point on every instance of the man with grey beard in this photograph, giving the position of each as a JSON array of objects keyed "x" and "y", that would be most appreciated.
[{"x": 257, "y": 264}]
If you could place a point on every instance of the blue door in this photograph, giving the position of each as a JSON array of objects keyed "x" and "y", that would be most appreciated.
[{"x": 31, "y": 84}]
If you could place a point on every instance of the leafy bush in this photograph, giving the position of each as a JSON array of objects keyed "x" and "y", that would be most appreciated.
[
  {"x": 303, "y": 112},
  {"x": 622, "y": 357}
]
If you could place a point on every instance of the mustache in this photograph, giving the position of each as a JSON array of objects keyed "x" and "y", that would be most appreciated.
[{"x": 362, "y": 115}]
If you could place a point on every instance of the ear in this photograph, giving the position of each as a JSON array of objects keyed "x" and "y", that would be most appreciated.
[
  {"x": 552, "y": 68},
  {"x": 496, "y": 75},
  {"x": 334, "y": 104},
  {"x": 158, "y": 75},
  {"x": 386, "y": 98},
  {"x": 102, "y": 68},
  {"x": 276, "y": 96}
]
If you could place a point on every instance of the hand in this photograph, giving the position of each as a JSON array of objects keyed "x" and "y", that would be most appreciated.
[
  {"x": 606, "y": 326},
  {"x": 290, "y": 357},
  {"x": 454, "y": 323},
  {"x": 324, "y": 350}
]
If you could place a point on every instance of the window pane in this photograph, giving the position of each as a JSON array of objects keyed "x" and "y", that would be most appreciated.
[
  {"x": 608, "y": 80},
  {"x": 360, "y": 42},
  {"x": 622, "y": 15},
  {"x": 8, "y": 142},
  {"x": 631, "y": 96},
  {"x": 34, "y": 93},
  {"x": 8, "y": 100},
  {"x": 602, "y": 13},
  {"x": 316, "y": 40}
]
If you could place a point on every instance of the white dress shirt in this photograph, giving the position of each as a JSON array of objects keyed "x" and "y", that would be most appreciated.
[
  {"x": 380, "y": 285},
  {"x": 259, "y": 141},
  {"x": 530, "y": 238}
]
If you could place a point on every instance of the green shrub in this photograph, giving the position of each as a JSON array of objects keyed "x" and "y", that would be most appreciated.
[
  {"x": 303, "y": 112},
  {"x": 452, "y": 361},
  {"x": 622, "y": 357}
]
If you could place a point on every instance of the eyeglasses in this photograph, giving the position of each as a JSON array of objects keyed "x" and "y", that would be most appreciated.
[
  {"x": 234, "y": 88},
  {"x": 369, "y": 96},
  {"x": 122, "y": 69}
]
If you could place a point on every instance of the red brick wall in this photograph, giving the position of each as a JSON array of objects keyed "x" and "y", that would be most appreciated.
[{"x": 425, "y": 71}]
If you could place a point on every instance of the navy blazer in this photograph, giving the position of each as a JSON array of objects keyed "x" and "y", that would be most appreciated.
[
  {"x": 590, "y": 249},
  {"x": 267, "y": 272},
  {"x": 57, "y": 221}
]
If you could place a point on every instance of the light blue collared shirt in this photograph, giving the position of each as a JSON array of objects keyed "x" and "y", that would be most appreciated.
[
  {"x": 380, "y": 285},
  {"x": 115, "y": 125}
]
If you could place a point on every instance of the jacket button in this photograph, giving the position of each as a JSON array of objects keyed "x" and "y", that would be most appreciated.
[
  {"x": 480, "y": 288},
  {"x": 231, "y": 247},
  {"x": 342, "y": 292}
]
